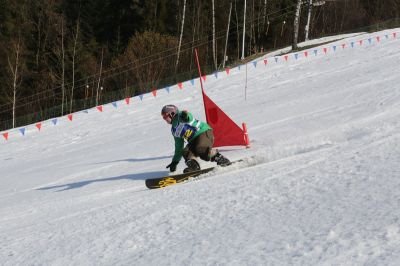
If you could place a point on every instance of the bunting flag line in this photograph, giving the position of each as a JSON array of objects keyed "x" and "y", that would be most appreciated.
[{"x": 278, "y": 59}]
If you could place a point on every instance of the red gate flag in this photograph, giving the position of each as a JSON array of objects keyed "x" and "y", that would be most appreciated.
[{"x": 226, "y": 132}]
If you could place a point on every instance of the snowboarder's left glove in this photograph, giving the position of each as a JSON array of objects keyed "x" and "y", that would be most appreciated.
[{"x": 172, "y": 166}]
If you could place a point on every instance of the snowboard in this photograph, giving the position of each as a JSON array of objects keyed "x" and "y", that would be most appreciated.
[{"x": 160, "y": 182}]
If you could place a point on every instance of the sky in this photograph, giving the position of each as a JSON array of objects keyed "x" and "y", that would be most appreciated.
[{"x": 319, "y": 184}]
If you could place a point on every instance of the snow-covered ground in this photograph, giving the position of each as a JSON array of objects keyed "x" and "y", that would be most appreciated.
[{"x": 320, "y": 184}]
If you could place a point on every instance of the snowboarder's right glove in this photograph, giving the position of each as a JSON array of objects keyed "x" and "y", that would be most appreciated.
[{"x": 172, "y": 166}]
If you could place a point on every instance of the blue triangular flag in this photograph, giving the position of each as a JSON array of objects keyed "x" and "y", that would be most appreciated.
[
  {"x": 352, "y": 44},
  {"x": 54, "y": 121},
  {"x": 315, "y": 51},
  {"x": 255, "y": 63},
  {"x": 114, "y": 104},
  {"x": 387, "y": 36},
  {"x": 296, "y": 56},
  {"x": 22, "y": 130},
  {"x": 85, "y": 111},
  {"x": 167, "y": 89},
  {"x": 141, "y": 97},
  {"x": 369, "y": 40},
  {"x": 216, "y": 74},
  {"x": 239, "y": 66},
  {"x": 334, "y": 48},
  {"x": 192, "y": 81},
  {"x": 276, "y": 59}
]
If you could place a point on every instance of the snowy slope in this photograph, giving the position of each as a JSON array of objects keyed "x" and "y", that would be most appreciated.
[{"x": 319, "y": 186}]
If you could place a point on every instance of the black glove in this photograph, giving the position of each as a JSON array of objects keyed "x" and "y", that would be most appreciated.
[
  {"x": 184, "y": 115},
  {"x": 172, "y": 166}
]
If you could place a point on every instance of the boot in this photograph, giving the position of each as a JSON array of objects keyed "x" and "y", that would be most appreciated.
[
  {"x": 221, "y": 160},
  {"x": 192, "y": 164}
]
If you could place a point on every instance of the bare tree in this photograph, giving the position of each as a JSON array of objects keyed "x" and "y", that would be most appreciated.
[
  {"x": 296, "y": 25},
  {"x": 76, "y": 35},
  {"x": 214, "y": 46},
  {"x": 237, "y": 32},
  {"x": 227, "y": 33},
  {"x": 98, "y": 83},
  {"x": 62, "y": 67},
  {"x": 14, "y": 64},
  {"x": 181, "y": 36},
  {"x": 307, "y": 29}
]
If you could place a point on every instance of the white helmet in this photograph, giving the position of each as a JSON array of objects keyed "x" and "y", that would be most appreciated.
[{"x": 169, "y": 110}]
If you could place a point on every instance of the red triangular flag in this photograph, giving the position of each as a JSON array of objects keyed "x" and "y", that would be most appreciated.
[
  {"x": 5, "y": 135},
  {"x": 361, "y": 42},
  {"x": 227, "y": 70},
  {"x": 100, "y": 108},
  {"x": 226, "y": 132},
  {"x": 306, "y": 53},
  {"x": 154, "y": 92},
  {"x": 204, "y": 77},
  {"x": 265, "y": 61},
  {"x": 70, "y": 117},
  {"x": 127, "y": 100},
  {"x": 343, "y": 45},
  {"x": 325, "y": 50},
  {"x": 286, "y": 57},
  {"x": 180, "y": 85},
  {"x": 394, "y": 34},
  {"x": 39, "y": 126},
  {"x": 378, "y": 38}
]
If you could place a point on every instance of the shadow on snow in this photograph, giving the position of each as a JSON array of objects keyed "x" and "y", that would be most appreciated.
[{"x": 75, "y": 185}]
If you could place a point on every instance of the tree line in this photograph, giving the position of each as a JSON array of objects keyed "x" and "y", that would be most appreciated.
[{"x": 60, "y": 56}]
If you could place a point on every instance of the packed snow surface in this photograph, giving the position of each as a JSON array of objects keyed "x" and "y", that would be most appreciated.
[{"x": 320, "y": 184}]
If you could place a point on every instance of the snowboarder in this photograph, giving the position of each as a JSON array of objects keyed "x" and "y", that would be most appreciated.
[{"x": 198, "y": 135}]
